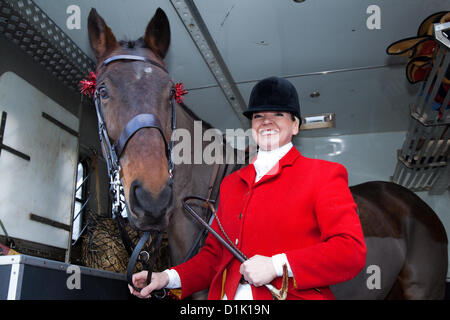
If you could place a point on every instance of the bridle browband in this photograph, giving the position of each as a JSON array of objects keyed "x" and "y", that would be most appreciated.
[{"x": 113, "y": 152}]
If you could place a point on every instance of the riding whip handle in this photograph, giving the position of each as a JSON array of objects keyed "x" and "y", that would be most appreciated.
[{"x": 277, "y": 294}]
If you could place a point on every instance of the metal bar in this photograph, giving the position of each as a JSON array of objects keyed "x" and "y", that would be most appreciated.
[
  {"x": 433, "y": 177},
  {"x": 434, "y": 138},
  {"x": 15, "y": 152},
  {"x": 9, "y": 241},
  {"x": 414, "y": 138},
  {"x": 446, "y": 113},
  {"x": 403, "y": 175},
  {"x": 424, "y": 149},
  {"x": 396, "y": 172},
  {"x": 79, "y": 235},
  {"x": 406, "y": 142},
  {"x": 81, "y": 184},
  {"x": 418, "y": 166},
  {"x": 197, "y": 29},
  {"x": 317, "y": 73},
  {"x": 426, "y": 182},
  {"x": 423, "y": 180},
  {"x": 5, "y": 147},
  {"x": 82, "y": 207},
  {"x": 430, "y": 156},
  {"x": 408, "y": 183},
  {"x": 445, "y": 108},
  {"x": 2, "y": 127},
  {"x": 74, "y": 175},
  {"x": 440, "y": 150},
  {"x": 60, "y": 124},
  {"x": 434, "y": 149},
  {"x": 421, "y": 104},
  {"x": 440, "y": 139},
  {"x": 418, "y": 177},
  {"x": 437, "y": 84},
  {"x": 15, "y": 281},
  {"x": 49, "y": 222},
  {"x": 438, "y": 34}
]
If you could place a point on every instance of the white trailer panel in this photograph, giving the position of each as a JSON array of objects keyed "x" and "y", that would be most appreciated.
[{"x": 44, "y": 185}]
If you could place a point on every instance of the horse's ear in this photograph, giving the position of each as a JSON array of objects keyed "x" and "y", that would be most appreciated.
[
  {"x": 157, "y": 34},
  {"x": 100, "y": 35}
]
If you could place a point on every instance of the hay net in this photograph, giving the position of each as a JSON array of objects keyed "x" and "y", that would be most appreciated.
[{"x": 103, "y": 249}]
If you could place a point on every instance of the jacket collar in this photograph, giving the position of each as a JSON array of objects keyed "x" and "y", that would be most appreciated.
[{"x": 248, "y": 173}]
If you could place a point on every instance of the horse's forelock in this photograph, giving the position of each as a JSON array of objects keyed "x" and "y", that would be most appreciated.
[{"x": 132, "y": 44}]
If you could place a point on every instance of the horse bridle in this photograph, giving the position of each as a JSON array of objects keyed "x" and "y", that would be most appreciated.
[{"x": 113, "y": 153}]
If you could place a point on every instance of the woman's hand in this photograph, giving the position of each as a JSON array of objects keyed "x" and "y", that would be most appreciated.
[
  {"x": 258, "y": 270},
  {"x": 159, "y": 281}
]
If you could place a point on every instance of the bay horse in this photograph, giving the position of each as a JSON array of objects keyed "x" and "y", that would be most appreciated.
[{"x": 406, "y": 242}]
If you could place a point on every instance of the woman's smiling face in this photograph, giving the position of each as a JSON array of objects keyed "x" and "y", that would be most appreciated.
[{"x": 273, "y": 129}]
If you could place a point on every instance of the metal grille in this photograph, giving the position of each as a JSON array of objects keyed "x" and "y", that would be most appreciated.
[
  {"x": 423, "y": 158},
  {"x": 25, "y": 24}
]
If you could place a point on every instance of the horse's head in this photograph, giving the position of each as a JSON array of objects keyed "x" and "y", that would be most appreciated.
[{"x": 127, "y": 88}]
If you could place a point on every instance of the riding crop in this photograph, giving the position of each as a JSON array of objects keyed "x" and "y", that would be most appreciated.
[{"x": 279, "y": 294}]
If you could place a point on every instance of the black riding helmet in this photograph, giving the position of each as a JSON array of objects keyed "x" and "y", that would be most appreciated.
[{"x": 273, "y": 94}]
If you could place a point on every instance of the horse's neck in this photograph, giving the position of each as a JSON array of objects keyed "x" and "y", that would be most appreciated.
[
  {"x": 189, "y": 179},
  {"x": 197, "y": 173},
  {"x": 193, "y": 179}
]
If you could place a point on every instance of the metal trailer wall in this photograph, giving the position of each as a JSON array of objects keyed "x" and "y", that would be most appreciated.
[
  {"x": 37, "y": 184},
  {"x": 13, "y": 59}
]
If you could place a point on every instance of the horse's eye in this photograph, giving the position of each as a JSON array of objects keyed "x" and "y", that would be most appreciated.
[{"x": 103, "y": 93}]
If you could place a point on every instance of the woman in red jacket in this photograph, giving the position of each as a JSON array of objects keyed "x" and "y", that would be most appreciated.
[{"x": 283, "y": 208}]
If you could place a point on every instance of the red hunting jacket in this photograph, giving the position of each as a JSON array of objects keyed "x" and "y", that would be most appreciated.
[{"x": 303, "y": 208}]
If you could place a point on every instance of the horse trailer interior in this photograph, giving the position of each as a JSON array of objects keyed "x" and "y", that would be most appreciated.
[{"x": 357, "y": 105}]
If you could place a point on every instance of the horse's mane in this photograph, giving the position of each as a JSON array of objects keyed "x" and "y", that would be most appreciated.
[
  {"x": 193, "y": 115},
  {"x": 132, "y": 44}
]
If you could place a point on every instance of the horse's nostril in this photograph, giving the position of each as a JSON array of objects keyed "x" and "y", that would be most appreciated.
[
  {"x": 144, "y": 204},
  {"x": 141, "y": 196}
]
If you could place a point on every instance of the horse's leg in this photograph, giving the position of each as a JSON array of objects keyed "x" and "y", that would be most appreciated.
[
  {"x": 390, "y": 211},
  {"x": 386, "y": 247},
  {"x": 421, "y": 277},
  {"x": 423, "y": 273},
  {"x": 384, "y": 260}
]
